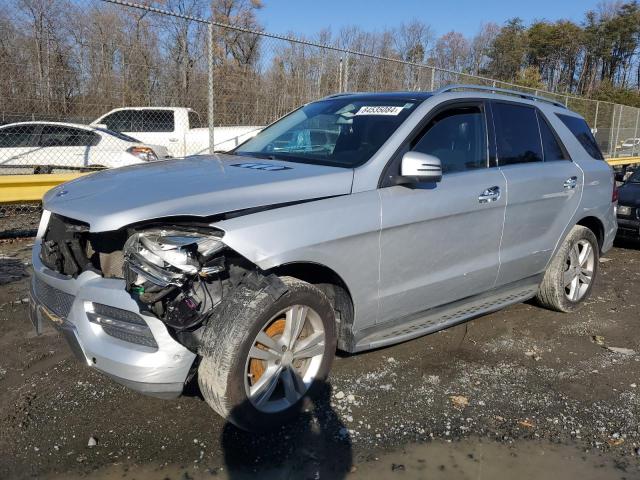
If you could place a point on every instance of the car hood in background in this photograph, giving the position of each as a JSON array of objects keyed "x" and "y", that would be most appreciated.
[
  {"x": 198, "y": 186},
  {"x": 629, "y": 195}
]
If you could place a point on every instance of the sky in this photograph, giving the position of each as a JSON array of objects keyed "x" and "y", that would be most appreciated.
[{"x": 466, "y": 16}]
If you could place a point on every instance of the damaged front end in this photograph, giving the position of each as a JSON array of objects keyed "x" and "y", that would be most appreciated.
[{"x": 177, "y": 275}]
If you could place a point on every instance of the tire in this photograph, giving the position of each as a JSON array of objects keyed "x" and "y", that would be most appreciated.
[
  {"x": 554, "y": 292},
  {"x": 228, "y": 371}
]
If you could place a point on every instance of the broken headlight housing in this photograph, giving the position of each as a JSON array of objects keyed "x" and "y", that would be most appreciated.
[
  {"x": 175, "y": 273},
  {"x": 169, "y": 257}
]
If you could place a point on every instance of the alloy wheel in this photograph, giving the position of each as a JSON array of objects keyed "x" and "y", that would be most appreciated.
[
  {"x": 284, "y": 359},
  {"x": 578, "y": 275}
]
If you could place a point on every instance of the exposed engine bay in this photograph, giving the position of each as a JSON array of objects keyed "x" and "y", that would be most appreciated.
[{"x": 178, "y": 273}]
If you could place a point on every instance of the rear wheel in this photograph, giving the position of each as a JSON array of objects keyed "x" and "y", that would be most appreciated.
[
  {"x": 569, "y": 278},
  {"x": 263, "y": 356}
]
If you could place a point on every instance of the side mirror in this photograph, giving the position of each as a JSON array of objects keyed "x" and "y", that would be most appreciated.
[{"x": 419, "y": 167}]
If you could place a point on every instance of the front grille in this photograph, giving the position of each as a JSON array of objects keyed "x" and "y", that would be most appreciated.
[
  {"x": 68, "y": 247},
  {"x": 55, "y": 300}
]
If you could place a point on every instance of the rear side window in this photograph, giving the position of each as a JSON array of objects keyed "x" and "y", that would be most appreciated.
[
  {"x": 583, "y": 134},
  {"x": 119, "y": 121},
  {"x": 140, "y": 121},
  {"x": 550, "y": 146},
  {"x": 153, "y": 121},
  {"x": 517, "y": 134},
  {"x": 60, "y": 136}
]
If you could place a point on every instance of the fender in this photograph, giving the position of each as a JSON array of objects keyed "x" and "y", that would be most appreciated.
[{"x": 341, "y": 233}]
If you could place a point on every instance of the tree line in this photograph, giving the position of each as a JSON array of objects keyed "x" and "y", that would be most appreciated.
[{"x": 76, "y": 59}]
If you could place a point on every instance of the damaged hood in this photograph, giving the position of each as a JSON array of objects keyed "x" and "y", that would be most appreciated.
[{"x": 196, "y": 186}]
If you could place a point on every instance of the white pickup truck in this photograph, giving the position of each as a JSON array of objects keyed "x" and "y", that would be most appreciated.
[{"x": 179, "y": 129}]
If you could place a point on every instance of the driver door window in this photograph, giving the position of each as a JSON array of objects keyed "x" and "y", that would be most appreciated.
[{"x": 458, "y": 137}]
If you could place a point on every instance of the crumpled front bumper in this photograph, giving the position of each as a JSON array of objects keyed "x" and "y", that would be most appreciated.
[{"x": 63, "y": 301}]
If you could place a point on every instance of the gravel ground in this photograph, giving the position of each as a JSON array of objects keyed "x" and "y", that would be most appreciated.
[{"x": 521, "y": 390}]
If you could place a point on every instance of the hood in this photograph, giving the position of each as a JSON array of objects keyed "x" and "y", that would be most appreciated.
[
  {"x": 629, "y": 195},
  {"x": 196, "y": 186}
]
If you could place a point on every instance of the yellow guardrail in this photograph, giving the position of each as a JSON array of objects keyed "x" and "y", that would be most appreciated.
[
  {"x": 623, "y": 161},
  {"x": 31, "y": 188}
]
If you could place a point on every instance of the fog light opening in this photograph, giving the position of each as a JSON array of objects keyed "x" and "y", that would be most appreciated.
[{"x": 121, "y": 324}]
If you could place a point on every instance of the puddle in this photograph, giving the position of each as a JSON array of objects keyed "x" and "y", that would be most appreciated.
[{"x": 467, "y": 459}]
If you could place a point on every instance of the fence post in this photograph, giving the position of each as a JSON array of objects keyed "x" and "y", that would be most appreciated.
[
  {"x": 210, "y": 109},
  {"x": 345, "y": 83},
  {"x": 618, "y": 129},
  {"x": 433, "y": 79},
  {"x": 635, "y": 135},
  {"x": 613, "y": 128}
]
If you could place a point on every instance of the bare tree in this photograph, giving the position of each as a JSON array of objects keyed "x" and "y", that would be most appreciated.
[
  {"x": 452, "y": 52},
  {"x": 481, "y": 48}
]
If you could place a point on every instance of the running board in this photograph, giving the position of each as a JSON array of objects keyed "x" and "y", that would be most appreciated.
[{"x": 439, "y": 318}]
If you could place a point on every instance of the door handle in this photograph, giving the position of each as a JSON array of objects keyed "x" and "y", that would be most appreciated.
[
  {"x": 173, "y": 140},
  {"x": 490, "y": 195},
  {"x": 571, "y": 183}
]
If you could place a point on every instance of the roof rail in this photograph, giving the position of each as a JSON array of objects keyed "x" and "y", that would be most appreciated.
[{"x": 504, "y": 91}]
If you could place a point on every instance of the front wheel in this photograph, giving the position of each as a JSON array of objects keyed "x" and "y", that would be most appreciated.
[
  {"x": 569, "y": 278},
  {"x": 263, "y": 356}
]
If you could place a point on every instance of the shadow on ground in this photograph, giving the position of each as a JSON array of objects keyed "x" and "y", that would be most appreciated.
[{"x": 316, "y": 445}]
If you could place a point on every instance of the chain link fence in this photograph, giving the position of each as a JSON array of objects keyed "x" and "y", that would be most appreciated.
[{"x": 178, "y": 85}]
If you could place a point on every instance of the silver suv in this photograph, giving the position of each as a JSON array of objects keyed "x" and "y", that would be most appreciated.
[{"x": 357, "y": 221}]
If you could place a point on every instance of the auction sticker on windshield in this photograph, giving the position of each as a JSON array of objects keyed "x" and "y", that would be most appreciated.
[{"x": 379, "y": 110}]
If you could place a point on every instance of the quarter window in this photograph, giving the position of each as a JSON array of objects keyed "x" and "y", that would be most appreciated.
[
  {"x": 458, "y": 138},
  {"x": 583, "y": 134},
  {"x": 517, "y": 134},
  {"x": 194, "y": 120}
]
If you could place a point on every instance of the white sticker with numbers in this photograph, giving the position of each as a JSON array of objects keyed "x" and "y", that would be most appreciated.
[{"x": 379, "y": 110}]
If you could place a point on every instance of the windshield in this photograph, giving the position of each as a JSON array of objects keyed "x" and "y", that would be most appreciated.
[
  {"x": 342, "y": 132},
  {"x": 119, "y": 135}
]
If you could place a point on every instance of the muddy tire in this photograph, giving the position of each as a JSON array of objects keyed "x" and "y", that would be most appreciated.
[
  {"x": 262, "y": 355},
  {"x": 569, "y": 278}
]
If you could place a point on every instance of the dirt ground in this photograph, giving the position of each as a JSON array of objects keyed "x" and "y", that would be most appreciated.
[{"x": 520, "y": 393}]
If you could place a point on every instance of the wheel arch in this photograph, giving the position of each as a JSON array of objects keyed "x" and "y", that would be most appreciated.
[
  {"x": 332, "y": 285},
  {"x": 596, "y": 226}
]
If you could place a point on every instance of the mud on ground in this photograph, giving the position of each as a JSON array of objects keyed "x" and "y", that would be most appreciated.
[{"x": 520, "y": 391}]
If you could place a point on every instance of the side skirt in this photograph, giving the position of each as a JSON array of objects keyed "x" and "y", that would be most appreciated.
[{"x": 438, "y": 318}]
